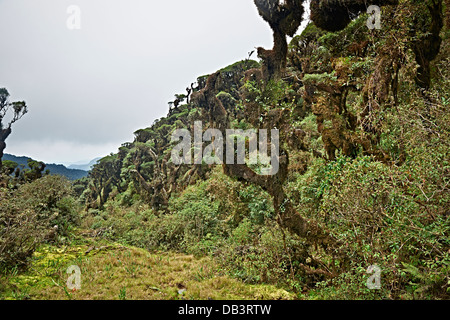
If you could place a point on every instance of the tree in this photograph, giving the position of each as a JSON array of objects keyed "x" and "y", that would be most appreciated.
[
  {"x": 284, "y": 18},
  {"x": 19, "y": 108}
]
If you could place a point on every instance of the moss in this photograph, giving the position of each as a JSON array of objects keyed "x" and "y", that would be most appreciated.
[{"x": 310, "y": 34}]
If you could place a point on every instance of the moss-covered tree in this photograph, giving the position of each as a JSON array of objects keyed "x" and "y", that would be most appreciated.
[
  {"x": 104, "y": 176},
  {"x": 335, "y": 15},
  {"x": 284, "y": 18}
]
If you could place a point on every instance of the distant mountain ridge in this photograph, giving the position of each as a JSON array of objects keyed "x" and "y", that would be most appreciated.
[
  {"x": 55, "y": 169},
  {"x": 84, "y": 167}
]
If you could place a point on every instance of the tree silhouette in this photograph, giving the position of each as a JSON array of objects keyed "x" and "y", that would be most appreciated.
[
  {"x": 19, "y": 109},
  {"x": 284, "y": 18}
]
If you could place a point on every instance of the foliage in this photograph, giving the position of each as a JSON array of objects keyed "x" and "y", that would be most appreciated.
[
  {"x": 19, "y": 109},
  {"x": 111, "y": 271}
]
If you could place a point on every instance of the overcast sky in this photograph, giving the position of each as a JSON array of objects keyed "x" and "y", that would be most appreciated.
[{"x": 89, "y": 89}]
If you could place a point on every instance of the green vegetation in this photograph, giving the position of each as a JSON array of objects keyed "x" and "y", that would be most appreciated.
[
  {"x": 363, "y": 180},
  {"x": 18, "y": 110},
  {"x": 53, "y": 169}
]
